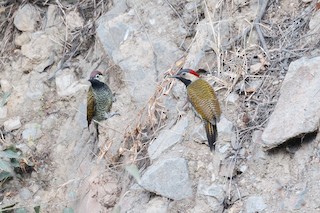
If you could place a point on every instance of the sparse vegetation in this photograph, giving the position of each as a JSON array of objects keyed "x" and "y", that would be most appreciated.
[{"x": 246, "y": 47}]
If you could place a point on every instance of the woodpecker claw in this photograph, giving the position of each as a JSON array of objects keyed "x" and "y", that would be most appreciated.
[{"x": 111, "y": 114}]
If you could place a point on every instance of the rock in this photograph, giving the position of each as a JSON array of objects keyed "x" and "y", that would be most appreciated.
[
  {"x": 31, "y": 132},
  {"x": 81, "y": 116},
  {"x": 224, "y": 148},
  {"x": 213, "y": 190},
  {"x": 49, "y": 122},
  {"x": 26, "y": 18},
  {"x": 256, "y": 146},
  {"x": 53, "y": 18},
  {"x": 215, "y": 195},
  {"x": 25, "y": 148},
  {"x": 255, "y": 68},
  {"x": 225, "y": 169},
  {"x": 25, "y": 194},
  {"x": 298, "y": 109},
  {"x": 67, "y": 83},
  {"x": 40, "y": 51},
  {"x": 74, "y": 20},
  {"x": 3, "y": 112},
  {"x": 225, "y": 130},
  {"x": 198, "y": 133},
  {"x": 168, "y": 178},
  {"x": 134, "y": 201},
  {"x": 253, "y": 86},
  {"x": 204, "y": 40},
  {"x": 22, "y": 39},
  {"x": 5, "y": 85},
  {"x": 157, "y": 205},
  {"x": 314, "y": 28},
  {"x": 143, "y": 56},
  {"x": 201, "y": 206},
  {"x": 255, "y": 204},
  {"x": 232, "y": 98},
  {"x": 12, "y": 124},
  {"x": 167, "y": 138}
]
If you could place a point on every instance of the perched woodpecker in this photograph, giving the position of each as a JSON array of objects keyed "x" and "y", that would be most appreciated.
[
  {"x": 99, "y": 98},
  {"x": 204, "y": 101}
]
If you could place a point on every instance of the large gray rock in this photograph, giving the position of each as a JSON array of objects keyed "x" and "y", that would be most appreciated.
[
  {"x": 142, "y": 46},
  {"x": 167, "y": 138},
  {"x": 168, "y": 178},
  {"x": 298, "y": 108}
]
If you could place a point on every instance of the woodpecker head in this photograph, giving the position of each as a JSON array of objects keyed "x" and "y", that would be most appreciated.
[
  {"x": 187, "y": 76},
  {"x": 96, "y": 79}
]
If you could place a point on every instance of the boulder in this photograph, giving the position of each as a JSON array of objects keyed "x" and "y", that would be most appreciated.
[
  {"x": 298, "y": 110},
  {"x": 168, "y": 178}
]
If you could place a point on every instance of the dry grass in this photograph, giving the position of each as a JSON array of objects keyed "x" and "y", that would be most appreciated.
[{"x": 281, "y": 41}]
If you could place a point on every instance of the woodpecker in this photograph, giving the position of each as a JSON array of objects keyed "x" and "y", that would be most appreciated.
[
  {"x": 204, "y": 101},
  {"x": 99, "y": 98}
]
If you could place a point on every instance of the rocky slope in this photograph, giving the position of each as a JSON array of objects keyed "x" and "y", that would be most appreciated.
[{"x": 261, "y": 58}]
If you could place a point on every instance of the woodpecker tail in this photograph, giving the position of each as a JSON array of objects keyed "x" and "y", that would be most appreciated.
[
  {"x": 211, "y": 130},
  {"x": 96, "y": 126}
]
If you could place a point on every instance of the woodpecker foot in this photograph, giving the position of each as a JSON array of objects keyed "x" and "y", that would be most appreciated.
[{"x": 110, "y": 114}]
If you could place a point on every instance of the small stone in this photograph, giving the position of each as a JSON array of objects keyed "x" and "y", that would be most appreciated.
[
  {"x": 253, "y": 86},
  {"x": 26, "y": 18},
  {"x": 49, "y": 122},
  {"x": 74, "y": 20},
  {"x": 31, "y": 132},
  {"x": 198, "y": 133},
  {"x": 25, "y": 194},
  {"x": 168, "y": 178},
  {"x": 213, "y": 190},
  {"x": 243, "y": 168},
  {"x": 225, "y": 129},
  {"x": 22, "y": 39},
  {"x": 157, "y": 205},
  {"x": 52, "y": 16},
  {"x": 255, "y": 68},
  {"x": 12, "y": 124},
  {"x": 226, "y": 171},
  {"x": 232, "y": 98},
  {"x": 5, "y": 85},
  {"x": 224, "y": 148},
  {"x": 3, "y": 112},
  {"x": 67, "y": 84},
  {"x": 255, "y": 204},
  {"x": 25, "y": 149},
  {"x": 81, "y": 116}
]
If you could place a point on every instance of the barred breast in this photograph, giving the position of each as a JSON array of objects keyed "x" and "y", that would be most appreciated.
[
  {"x": 204, "y": 100},
  {"x": 103, "y": 99}
]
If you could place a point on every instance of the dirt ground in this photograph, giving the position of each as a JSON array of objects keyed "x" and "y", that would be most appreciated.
[{"x": 58, "y": 170}]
